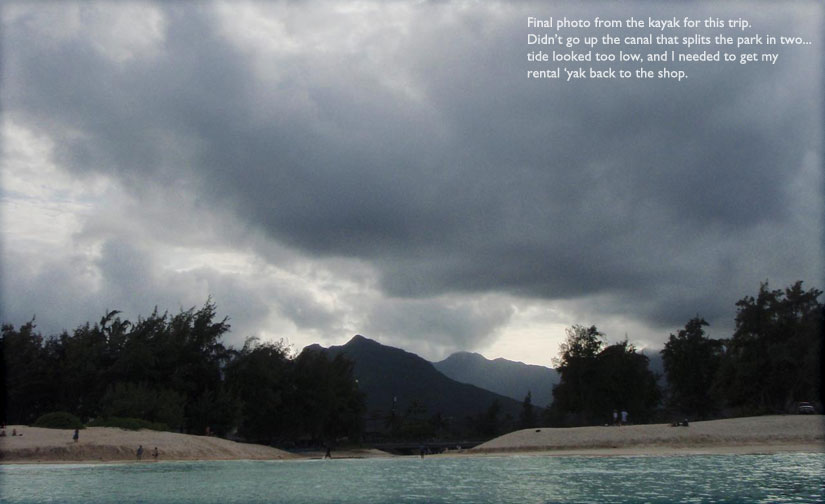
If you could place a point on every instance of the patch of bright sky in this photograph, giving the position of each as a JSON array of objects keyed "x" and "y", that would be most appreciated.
[
  {"x": 41, "y": 206},
  {"x": 537, "y": 329}
]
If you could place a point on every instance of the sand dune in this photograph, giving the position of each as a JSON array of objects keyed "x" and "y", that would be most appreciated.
[
  {"x": 735, "y": 435},
  {"x": 106, "y": 444}
]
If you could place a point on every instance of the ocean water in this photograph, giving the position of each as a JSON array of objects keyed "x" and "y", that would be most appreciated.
[{"x": 511, "y": 479}]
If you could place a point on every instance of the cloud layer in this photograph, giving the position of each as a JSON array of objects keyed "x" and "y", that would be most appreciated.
[{"x": 322, "y": 168}]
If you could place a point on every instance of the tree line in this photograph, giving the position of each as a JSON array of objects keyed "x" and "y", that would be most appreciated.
[
  {"x": 770, "y": 364},
  {"x": 176, "y": 371}
]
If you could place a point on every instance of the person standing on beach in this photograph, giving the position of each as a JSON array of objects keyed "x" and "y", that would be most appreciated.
[
  {"x": 76, "y": 435},
  {"x": 624, "y": 417},
  {"x": 615, "y": 417},
  {"x": 155, "y": 453},
  {"x": 140, "y": 452}
]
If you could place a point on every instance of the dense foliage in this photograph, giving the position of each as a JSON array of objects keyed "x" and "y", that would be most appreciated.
[
  {"x": 282, "y": 399},
  {"x": 175, "y": 371},
  {"x": 773, "y": 358},
  {"x": 770, "y": 364},
  {"x": 598, "y": 379},
  {"x": 58, "y": 420},
  {"x": 527, "y": 418},
  {"x": 691, "y": 362}
]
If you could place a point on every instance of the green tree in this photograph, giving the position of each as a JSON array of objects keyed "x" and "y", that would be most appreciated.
[
  {"x": 624, "y": 382},
  {"x": 488, "y": 423},
  {"x": 199, "y": 367},
  {"x": 327, "y": 395},
  {"x": 29, "y": 384},
  {"x": 130, "y": 400},
  {"x": 574, "y": 395},
  {"x": 596, "y": 379},
  {"x": 527, "y": 418},
  {"x": 182, "y": 354},
  {"x": 772, "y": 359},
  {"x": 259, "y": 377},
  {"x": 84, "y": 362},
  {"x": 176, "y": 370},
  {"x": 691, "y": 361}
]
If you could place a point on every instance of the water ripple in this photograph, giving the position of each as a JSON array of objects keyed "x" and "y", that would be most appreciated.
[{"x": 780, "y": 478}]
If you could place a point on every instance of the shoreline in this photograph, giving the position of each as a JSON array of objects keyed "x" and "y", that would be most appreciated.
[
  {"x": 641, "y": 451},
  {"x": 652, "y": 451},
  {"x": 736, "y": 436}
]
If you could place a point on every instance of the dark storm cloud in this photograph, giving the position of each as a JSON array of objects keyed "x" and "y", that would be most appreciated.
[
  {"x": 437, "y": 326},
  {"x": 437, "y": 162}
]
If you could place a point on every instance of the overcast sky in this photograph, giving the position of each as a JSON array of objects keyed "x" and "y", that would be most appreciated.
[{"x": 325, "y": 169}]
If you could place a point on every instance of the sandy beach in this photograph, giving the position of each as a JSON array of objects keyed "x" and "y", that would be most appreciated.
[
  {"x": 767, "y": 434},
  {"x": 107, "y": 444}
]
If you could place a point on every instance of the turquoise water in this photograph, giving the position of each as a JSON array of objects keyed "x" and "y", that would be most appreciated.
[{"x": 527, "y": 479}]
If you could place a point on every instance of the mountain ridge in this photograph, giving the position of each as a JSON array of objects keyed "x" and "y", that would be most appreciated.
[
  {"x": 509, "y": 378},
  {"x": 394, "y": 379}
]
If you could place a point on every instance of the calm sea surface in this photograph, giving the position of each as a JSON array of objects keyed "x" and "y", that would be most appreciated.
[{"x": 528, "y": 479}]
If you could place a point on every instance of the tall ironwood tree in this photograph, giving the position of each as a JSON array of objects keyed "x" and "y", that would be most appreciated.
[
  {"x": 596, "y": 379},
  {"x": 691, "y": 361},
  {"x": 773, "y": 358}
]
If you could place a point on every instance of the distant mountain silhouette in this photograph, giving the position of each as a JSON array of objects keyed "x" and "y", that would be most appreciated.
[
  {"x": 391, "y": 377},
  {"x": 502, "y": 376}
]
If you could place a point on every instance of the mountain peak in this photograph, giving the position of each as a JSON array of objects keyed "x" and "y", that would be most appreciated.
[
  {"x": 359, "y": 340},
  {"x": 394, "y": 378},
  {"x": 315, "y": 347}
]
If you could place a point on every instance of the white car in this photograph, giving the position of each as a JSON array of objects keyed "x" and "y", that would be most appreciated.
[{"x": 806, "y": 408}]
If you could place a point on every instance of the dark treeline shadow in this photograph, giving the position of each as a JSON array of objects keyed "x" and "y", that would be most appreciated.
[{"x": 770, "y": 365}]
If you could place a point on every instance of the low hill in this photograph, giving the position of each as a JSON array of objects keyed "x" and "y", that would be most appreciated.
[
  {"x": 502, "y": 376},
  {"x": 394, "y": 378}
]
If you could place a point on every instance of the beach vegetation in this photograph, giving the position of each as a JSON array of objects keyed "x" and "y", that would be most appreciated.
[
  {"x": 175, "y": 372},
  {"x": 162, "y": 406},
  {"x": 258, "y": 377},
  {"x": 489, "y": 423},
  {"x": 310, "y": 397},
  {"x": 527, "y": 418},
  {"x": 573, "y": 396},
  {"x": 58, "y": 420},
  {"x": 773, "y": 359},
  {"x": 692, "y": 360},
  {"x": 29, "y": 380},
  {"x": 597, "y": 379}
]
